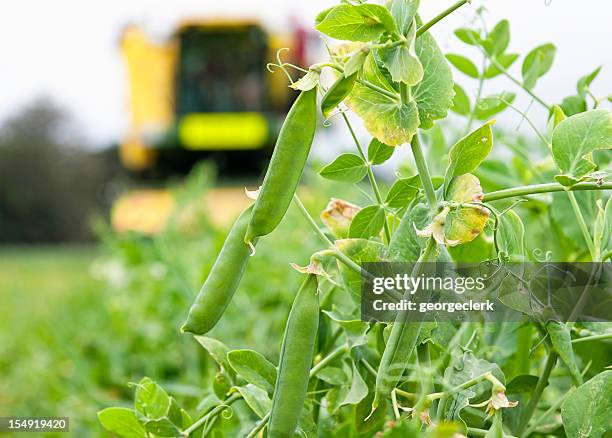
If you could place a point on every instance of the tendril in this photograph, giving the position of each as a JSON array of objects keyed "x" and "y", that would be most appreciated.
[
  {"x": 280, "y": 64},
  {"x": 227, "y": 412},
  {"x": 541, "y": 256}
]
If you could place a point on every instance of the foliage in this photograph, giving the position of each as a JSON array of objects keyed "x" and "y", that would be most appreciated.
[{"x": 412, "y": 378}]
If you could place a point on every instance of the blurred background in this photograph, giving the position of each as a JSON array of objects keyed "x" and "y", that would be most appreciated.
[{"x": 128, "y": 131}]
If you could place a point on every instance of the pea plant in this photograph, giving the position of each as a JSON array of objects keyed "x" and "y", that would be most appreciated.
[{"x": 339, "y": 376}]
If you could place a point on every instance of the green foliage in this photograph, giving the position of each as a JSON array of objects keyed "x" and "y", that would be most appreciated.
[
  {"x": 537, "y": 63},
  {"x": 341, "y": 376},
  {"x": 586, "y": 410},
  {"x": 347, "y": 167},
  {"x": 469, "y": 152},
  {"x": 575, "y": 139},
  {"x": 365, "y": 22}
]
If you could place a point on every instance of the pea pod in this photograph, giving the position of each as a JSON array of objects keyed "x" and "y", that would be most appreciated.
[
  {"x": 402, "y": 339},
  {"x": 286, "y": 166},
  {"x": 295, "y": 360},
  {"x": 337, "y": 93},
  {"x": 222, "y": 281}
]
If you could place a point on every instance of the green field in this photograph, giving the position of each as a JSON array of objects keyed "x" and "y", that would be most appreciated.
[{"x": 49, "y": 301}]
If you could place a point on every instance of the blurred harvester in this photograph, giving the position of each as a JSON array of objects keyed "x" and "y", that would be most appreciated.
[{"x": 205, "y": 93}]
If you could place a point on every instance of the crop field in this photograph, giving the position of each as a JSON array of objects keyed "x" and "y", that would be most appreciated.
[{"x": 294, "y": 318}]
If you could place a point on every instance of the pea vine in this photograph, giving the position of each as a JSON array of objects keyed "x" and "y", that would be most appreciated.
[{"x": 340, "y": 376}]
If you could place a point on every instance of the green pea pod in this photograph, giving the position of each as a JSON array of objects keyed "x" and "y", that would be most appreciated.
[
  {"x": 295, "y": 360},
  {"x": 402, "y": 340},
  {"x": 286, "y": 166},
  {"x": 337, "y": 93},
  {"x": 222, "y": 281}
]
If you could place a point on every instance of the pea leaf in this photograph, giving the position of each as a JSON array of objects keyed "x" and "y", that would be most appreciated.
[
  {"x": 355, "y": 329},
  {"x": 557, "y": 115},
  {"x": 498, "y": 39},
  {"x": 403, "y": 191},
  {"x": 505, "y": 60},
  {"x": 469, "y": 152},
  {"x": 256, "y": 398},
  {"x": 562, "y": 343},
  {"x": 575, "y": 138},
  {"x": 537, "y": 63},
  {"x": 434, "y": 94},
  {"x": 162, "y": 427},
  {"x": 347, "y": 167},
  {"x": 463, "y": 64},
  {"x": 254, "y": 368},
  {"x": 573, "y": 105},
  {"x": 461, "y": 101},
  {"x": 404, "y": 11},
  {"x": 461, "y": 370},
  {"x": 358, "y": 391},
  {"x": 385, "y": 117},
  {"x": 365, "y": 22},
  {"x": 122, "y": 421},
  {"x": 321, "y": 15},
  {"x": 587, "y": 409},
  {"x": 566, "y": 224},
  {"x": 217, "y": 350},
  {"x": 468, "y": 36},
  {"x": 510, "y": 236},
  {"x": 487, "y": 107},
  {"x": 151, "y": 400},
  {"x": 405, "y": 245},
  {"x": 585, "y": 81},
  {"x": 333, "y": 375},
  {"x": 337, "y": 93},
  {"x": 379, "y": 152},
  {"x": 367, "y": 223},
  {"x": 402, "y": 61}
]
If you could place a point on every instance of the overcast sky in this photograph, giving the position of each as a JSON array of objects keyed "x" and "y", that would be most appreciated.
[{"x": 68, "y": 49}]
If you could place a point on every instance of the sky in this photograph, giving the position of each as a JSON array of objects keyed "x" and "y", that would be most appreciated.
[{"x": 69, "y": 49}]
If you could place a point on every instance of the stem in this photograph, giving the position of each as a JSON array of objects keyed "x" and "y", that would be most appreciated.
[
  {"x": 404, "y": 93},
  {"x": 327, "y": 359},
  {"x": 424, "y": 28},
  {"x": 592, "y": 338},
  {"x": 253, "y": 433},
  {"x": 543, "y": 188},
  {"x": 523, "y": 348},
  {"x": 423, "y": 170},
  {"x": 516, "y": 81},
  {"x": 537, "y": 392},
  {"x": 333, "y": 250},
  {"x": 583, "y": 226},
  {"x": 373, "y": 183},
  {"x": 312, "y": 222},
  {"x": 472, "y": 431},
  {"x": 217, "y": 409},
  {"x": 468, "y": 383},
  {"x": 538, "y": 421}
]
